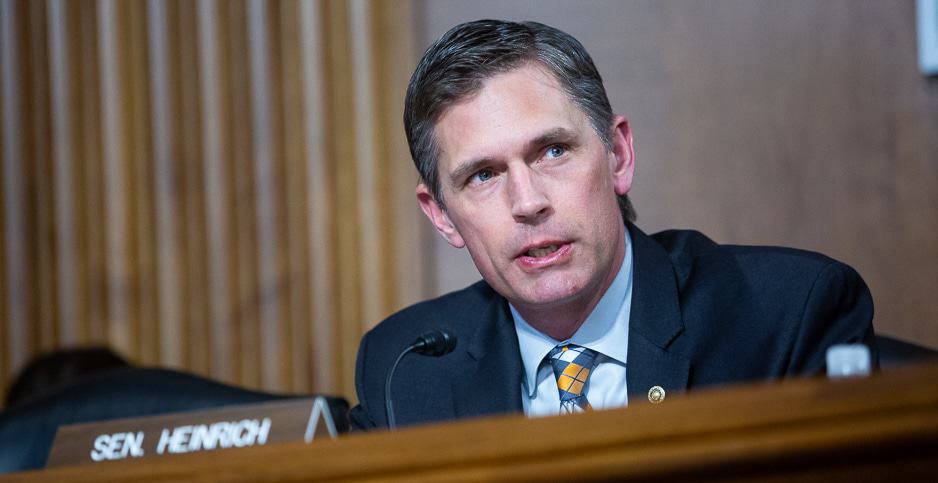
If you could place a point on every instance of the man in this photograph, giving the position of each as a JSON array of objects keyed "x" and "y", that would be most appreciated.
[{"x": 523, "y": 163}]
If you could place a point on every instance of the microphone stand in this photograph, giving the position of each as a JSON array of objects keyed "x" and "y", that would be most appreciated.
[{"x": 435, "y": 343}]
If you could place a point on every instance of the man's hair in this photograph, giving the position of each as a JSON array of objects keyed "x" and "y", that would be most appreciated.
[{"x": 456, "y": 66}]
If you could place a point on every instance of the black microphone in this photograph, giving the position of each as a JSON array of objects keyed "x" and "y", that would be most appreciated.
[{"x": 435, "y": 343}]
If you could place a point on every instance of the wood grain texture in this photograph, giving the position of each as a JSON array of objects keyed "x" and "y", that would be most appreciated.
[
  {"x": 321, "y": 293},
  {"x": 16, "y": 291},
  {"x": 190, "y": 184},
  {"x": 875, "y": 429},
  {"x": 216, "y": 188}
]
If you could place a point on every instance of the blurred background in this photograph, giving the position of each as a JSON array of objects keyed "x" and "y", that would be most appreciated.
[{"x": 224, "y": 186}]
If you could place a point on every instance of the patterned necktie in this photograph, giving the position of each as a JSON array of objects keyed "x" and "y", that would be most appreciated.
[{"x": 572, "y": 366}]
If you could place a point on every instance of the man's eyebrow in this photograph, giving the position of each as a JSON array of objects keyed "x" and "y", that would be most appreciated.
[
  {"x": 466, "y": 169},
  {"x": 555, "y": 135}
]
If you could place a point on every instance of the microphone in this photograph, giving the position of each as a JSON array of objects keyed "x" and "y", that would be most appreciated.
[{"x": 435, "y": 343}]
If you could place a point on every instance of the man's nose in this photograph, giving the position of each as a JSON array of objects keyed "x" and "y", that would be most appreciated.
[{"x": 529, "y": 202}]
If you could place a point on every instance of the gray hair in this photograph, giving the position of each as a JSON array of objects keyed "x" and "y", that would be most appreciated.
[{"x": 457, "y": 64}]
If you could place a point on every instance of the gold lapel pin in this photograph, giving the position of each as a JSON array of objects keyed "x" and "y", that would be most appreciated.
[{"x": 656, "y": 394}]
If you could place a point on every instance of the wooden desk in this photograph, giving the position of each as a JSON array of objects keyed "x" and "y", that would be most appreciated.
[{"x": 875, "y": 429}]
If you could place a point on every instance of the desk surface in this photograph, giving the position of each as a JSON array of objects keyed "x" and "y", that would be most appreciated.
[{"x": 878, "y": 428}]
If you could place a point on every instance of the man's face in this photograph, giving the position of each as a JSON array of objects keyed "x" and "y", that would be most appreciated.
[{"x": 530, "y": 190}]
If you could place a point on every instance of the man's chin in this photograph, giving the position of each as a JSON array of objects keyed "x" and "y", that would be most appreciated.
[{"x": 549, "y": 298}]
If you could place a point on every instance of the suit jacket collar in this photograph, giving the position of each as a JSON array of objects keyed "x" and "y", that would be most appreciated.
[{"x": 655, "y": 320}]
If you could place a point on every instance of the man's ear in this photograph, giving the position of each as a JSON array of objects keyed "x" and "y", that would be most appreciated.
[
  {"x": 623, "y": 167},
  {"x": 440, "y": 219}
]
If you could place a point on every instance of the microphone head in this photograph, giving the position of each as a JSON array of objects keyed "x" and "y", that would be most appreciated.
[{"x": 435, "y": 343}]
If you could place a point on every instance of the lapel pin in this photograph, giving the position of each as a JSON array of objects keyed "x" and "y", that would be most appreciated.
[{"x": 656, "y": 394}]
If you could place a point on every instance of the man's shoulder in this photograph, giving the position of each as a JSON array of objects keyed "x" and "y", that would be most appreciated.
[
  {"x": 690, "y": 249},
  {"x": 447, "y": 312},
  {"x": 750, "y": 312},
  {"x": 758, "y": 273}
]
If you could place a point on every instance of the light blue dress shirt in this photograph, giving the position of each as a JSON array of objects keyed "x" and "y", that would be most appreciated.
[{"x": 605, "y": 331}]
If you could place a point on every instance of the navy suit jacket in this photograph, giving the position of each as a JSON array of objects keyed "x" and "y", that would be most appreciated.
[{"x": 702, "y": 314}]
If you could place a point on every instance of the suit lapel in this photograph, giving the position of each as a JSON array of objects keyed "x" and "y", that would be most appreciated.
[
  {"x": 654, "y": 321},
  {"x": 490, "y": 378}
]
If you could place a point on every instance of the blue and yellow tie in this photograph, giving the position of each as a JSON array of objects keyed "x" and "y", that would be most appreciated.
[{"x": 572, "y": 366}]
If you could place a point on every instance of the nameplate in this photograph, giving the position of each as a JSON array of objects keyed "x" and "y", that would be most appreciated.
[{"x": 191, "y": 432}]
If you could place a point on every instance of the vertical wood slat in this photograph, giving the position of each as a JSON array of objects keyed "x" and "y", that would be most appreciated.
[
  {"x": 144, "y": 260},
  {"x": 61, "y": 74},
  {"x": 4, "y": 296},
  {"x": 166, "y": 178},
  {"x": 116, "y": 177},
  {"x": 93, "y": 220},
  {"x": 266, "y": 189},
  {"x": 413, "y": 238},
  {"x": 296, "y": 271},
  {"x": 17, "y": 295},
  {"x": 190, "y": 162},
  {"x": 217, "y": 193},
  {"x": 343, "y": 173},
  {"x": 370, "y": 232},
  {"x": 245, "y": 209},
  {"x": 279, "y": 197},
  {"x": 319, "y": 219},
  {"x": 39, "y": 202},
  {"x": 405, "y": 242}
]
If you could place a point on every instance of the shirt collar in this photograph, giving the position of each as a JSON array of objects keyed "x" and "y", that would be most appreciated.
[{"x": 605, "y": 330}]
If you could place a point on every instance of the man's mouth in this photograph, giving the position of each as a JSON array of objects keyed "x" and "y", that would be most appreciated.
[
  {"x": 545, "y": 254},
  {"x": 541, "y": 251}
]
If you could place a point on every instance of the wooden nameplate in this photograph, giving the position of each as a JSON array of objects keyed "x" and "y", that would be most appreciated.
[{"x": 192, "y": 432}]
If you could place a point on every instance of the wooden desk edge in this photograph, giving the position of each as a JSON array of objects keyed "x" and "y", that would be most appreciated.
[{"x": 870, "y": 423}]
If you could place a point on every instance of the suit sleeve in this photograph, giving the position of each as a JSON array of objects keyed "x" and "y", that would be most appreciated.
[
  {"x": 360, "y": 415},
  {"x": 838, "y": 310}
]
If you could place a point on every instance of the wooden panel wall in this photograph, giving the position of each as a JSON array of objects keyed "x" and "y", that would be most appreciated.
[
  {"x": 799, "y": 123},
  {"x": 205, "y": 184}
]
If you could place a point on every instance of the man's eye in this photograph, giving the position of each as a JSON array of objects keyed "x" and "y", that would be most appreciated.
[
  {"x": 555, "y": 151},
  {"x": 482, "y": 176}
]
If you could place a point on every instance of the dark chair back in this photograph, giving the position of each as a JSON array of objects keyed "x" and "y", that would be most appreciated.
[
  {"x": 895, "y": 352},
  {"x": 27, "y": 429}
]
